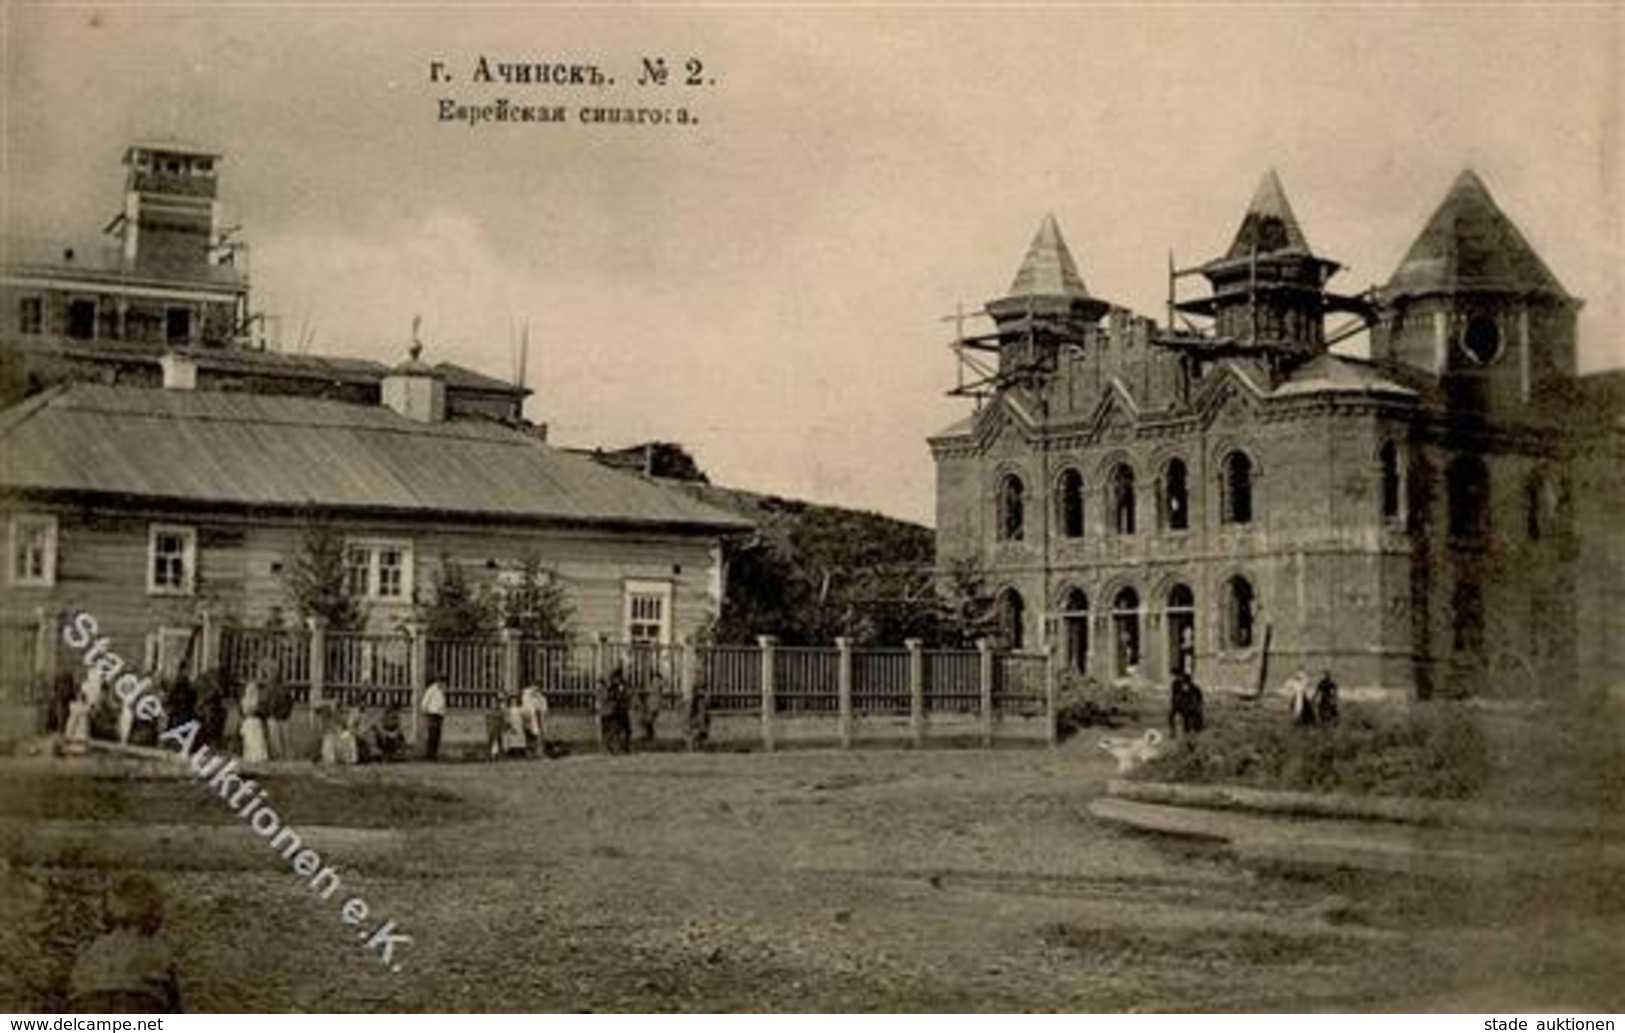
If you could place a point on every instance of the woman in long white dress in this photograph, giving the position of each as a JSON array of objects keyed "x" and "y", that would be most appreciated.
[{"x": 253, "y": 730}]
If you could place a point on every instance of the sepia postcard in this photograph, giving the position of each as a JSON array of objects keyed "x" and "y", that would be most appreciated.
[{"x": 812, "y": 507}]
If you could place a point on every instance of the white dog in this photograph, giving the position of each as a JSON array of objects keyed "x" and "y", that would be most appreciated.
[{"x": 1131, "y": 753}]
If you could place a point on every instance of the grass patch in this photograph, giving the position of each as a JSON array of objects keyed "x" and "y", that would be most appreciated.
[
  {"x": 1434, "y": 750},
  {"x": 1567, "y": 755}
]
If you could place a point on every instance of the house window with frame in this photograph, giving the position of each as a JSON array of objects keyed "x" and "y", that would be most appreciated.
[
  {"x": 31, "y": 315},
  {"x": 82, "y": 318},
  {"x": 33, "y": 550},
  {"x": 379, "y": 570},
  {"x": 648, "y": 613},
  {"x": 171, "y": 560}
]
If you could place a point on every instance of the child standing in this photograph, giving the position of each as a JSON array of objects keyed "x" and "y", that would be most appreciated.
[{"x": 128, "y": 969}]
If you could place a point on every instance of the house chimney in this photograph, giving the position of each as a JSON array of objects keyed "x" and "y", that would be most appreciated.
[
  {"x": 180, "y": 371},
  {"x": 414, "y": 389}
]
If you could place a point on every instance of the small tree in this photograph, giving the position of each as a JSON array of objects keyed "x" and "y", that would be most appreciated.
[
  {"x": 457, "y": 608},
  {"x": 538, "y": 605},
  {"x": 318, "y": 582}
]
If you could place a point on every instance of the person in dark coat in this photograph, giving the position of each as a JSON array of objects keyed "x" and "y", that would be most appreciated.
[
  {"x": 276, "y": 700},
  {"x": 1326, "y": 700},
  {"x": 1185, "y": 705}
]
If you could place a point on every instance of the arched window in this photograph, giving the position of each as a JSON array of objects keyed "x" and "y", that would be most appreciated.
[
  {"x": 1123, "y": 499},
  {"x": 1012, "y": 618},
  {"x": 1071, "y": 504},
  {"x": 1241, "y": 613},
  {"x": 1181, "y": 629},
  {"x": 1393, "y": 485},
  {"x": 1126, "y": 630},
  {"x": 1075, "y": 622},
  {"x": 1467, "y": 617},
  {"x": 1238, "y": 488},
  {"x": 1012, "y": 508},
  {"x": 1469, "y": 489},
  {"x": 1176, "y": 503}
]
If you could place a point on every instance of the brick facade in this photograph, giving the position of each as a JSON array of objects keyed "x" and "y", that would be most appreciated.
[{"x": 1407, "y": 521}]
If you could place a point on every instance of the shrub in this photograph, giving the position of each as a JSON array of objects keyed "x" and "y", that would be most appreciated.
[
  {"x": 1083, "y": 702},
  {"x": 1427, "y": 749}
]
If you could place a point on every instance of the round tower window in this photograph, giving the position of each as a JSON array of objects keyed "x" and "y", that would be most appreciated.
[{"x": 1482, "y": 340}]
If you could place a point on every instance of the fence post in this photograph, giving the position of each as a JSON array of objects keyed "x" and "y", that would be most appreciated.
[
  {"x": 687, "y": 662},
  {"x": 984, "y": 649},
  {"x": 418, "y": 661},
  {"x": 318, "y": 666},
  {"x": 510, "y": 662},
  {"x": 843, "y": 689},
  {"x": 1051, "y": 726},
  {"x": 916, "y": 691},
  {"x": 600, "y": 646},
  {"x": 769, "y": 696}
]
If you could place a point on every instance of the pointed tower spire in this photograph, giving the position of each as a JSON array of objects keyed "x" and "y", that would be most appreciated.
[
  {"x": 1269, "y": 224},
  {"x": 1470, "y": 244},
  {"x": 1269, "y": 288},
  {"x": 1048, "y": 269},
  {"x": 1048, "y": 284}
]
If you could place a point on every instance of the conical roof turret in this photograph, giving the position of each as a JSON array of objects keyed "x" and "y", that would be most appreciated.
[
  {"x": 1048, "y": 270},
  {"x": 1269, "y": 225},
  {"x": 1470, "y": 244}
]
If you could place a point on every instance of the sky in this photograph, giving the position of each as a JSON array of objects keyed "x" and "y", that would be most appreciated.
[{"x": 769, "y": 286}]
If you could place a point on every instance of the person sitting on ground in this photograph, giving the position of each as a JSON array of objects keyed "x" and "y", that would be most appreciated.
[
  {"x": 388, "y": 737},
  {"x": 1326, "y": 700},
  {"x": 129, "y": 968}
]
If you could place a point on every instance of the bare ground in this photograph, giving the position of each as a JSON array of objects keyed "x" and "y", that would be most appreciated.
[{"x": 805, "y": 880}]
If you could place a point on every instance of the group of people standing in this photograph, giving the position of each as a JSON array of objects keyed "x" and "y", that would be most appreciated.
[
  {"x": 1310, "y": 707},
  {"x": 267, "y": 706},
  {"x": 1315, "y": 707}
]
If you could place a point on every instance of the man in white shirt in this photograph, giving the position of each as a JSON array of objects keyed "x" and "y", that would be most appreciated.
[{"x": 433, "y": 706}]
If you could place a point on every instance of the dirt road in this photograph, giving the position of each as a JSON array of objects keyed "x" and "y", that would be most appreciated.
[{"x": 804, "y": 880}]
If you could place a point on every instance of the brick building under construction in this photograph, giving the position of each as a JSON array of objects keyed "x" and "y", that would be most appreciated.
[{"x": 1222, "y": 492}]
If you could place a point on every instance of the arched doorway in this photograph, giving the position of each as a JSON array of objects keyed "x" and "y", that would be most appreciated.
[
  {"x": 1125, "y": 632},
  {"x": 1181, "y": 614},
  {"x": 1075, "y": 630},
  {"x": 1012, "y": 618}
]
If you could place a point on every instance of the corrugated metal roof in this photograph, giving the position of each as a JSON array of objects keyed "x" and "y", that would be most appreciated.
[{"x": 239, "y": 449}]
